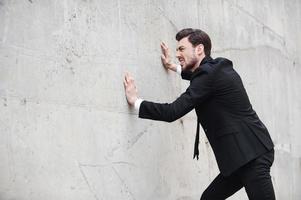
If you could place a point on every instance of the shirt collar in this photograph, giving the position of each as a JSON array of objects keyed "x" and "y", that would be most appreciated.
[{"x": 206, "y": 59}]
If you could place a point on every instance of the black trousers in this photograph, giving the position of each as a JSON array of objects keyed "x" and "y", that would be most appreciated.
[{"x": 254, "y": 177}]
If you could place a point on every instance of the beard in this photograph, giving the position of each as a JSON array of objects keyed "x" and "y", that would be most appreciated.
[{"x": 191, "y": 64}]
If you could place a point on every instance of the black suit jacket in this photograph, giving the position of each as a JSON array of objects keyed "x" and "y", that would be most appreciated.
[{"x": 217, "y": 94}]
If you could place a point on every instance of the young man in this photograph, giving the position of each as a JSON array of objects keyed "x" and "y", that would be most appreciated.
[{"x": 241, "y": 143}]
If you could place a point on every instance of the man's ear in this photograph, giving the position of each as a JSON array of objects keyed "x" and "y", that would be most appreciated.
[{"x": 200, "y": 49}]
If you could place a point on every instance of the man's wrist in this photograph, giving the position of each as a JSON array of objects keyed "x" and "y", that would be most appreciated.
[
  {"x": 179, "y": 69},
  {"x": 173, "y": 67},
  {"x": 138, "y": 103}
]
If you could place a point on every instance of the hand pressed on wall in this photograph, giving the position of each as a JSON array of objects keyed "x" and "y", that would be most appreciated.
[
  {"x": 130, "y": 88},
  {"x": 166, "y": 58}
]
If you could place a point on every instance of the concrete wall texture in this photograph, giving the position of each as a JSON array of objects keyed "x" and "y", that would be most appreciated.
[{"x": 66, "y": 131}]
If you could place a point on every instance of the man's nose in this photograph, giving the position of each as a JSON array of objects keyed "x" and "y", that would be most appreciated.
[{"x": 178, "y": 54}]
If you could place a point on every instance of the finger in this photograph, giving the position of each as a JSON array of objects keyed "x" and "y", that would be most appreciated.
[
  {"x": 127, "y": 76},
  {"x": 132, "y": 81},
  {"x": 131, "y": 78},
  {"x": 162, "y": 48},
  {"x": 125, "y": 84},
  {"x": 164, "y": 45},
  {"x": 124, "y": 79},
  {"x": 164, "y": 52}
]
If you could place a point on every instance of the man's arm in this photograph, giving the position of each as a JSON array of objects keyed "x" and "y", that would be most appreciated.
[{"x": 198, "y": 91}]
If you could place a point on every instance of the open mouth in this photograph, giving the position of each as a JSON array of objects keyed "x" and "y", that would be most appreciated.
[{"x": 181, "y": 60}]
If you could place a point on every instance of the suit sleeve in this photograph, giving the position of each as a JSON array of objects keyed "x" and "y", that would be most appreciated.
[{"x": 198, "y": 91}]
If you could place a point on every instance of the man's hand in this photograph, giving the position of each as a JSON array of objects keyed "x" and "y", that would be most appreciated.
[
  {"x": 131, "y": 92},
  {"x": 165, "y": 58}
]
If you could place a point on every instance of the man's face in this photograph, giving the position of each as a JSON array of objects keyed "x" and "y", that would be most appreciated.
[{"x": 186, "y": 54}]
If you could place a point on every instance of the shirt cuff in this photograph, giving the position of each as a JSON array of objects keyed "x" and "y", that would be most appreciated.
[
  {"x": 179, "y": 69},
  {"x": 138, "y": 103}
]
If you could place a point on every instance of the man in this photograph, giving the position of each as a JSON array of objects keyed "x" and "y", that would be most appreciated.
[{"x": 241, "y": 143}]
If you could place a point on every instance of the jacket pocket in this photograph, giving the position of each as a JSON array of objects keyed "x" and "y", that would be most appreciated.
[{"x": 227, "y": 130}]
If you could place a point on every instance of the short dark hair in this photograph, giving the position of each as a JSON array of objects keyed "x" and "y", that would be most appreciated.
[{"x": 196, "y": 37}]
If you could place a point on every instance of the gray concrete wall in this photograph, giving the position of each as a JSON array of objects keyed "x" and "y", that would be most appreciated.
[{"x": 66, "y": 131}]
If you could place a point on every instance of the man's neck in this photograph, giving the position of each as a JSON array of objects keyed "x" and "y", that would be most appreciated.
[{"x": 198, "y": 63}]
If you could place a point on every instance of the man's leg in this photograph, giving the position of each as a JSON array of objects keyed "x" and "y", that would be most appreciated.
[
  {"x": 222, "y": 188},
  {"x": 256, "y": 178}
]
